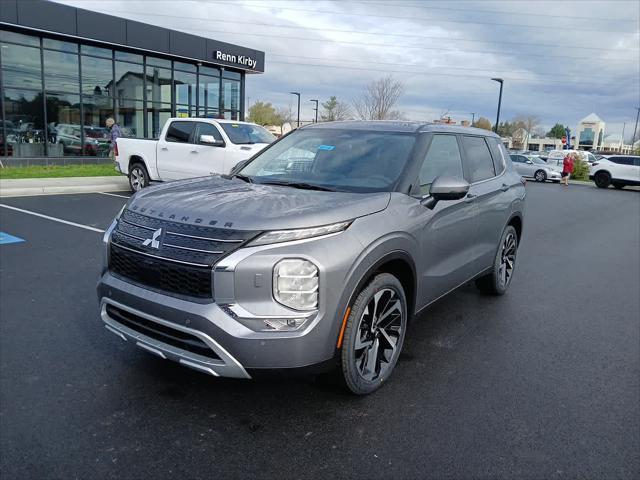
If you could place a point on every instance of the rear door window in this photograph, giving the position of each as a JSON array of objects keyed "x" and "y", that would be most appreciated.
[
  {"x": 180, "y": 132},
  {"x": 478, "y": 159},
  {"x": 496, "y": 152},
  {"x": 443, "y": 158}
]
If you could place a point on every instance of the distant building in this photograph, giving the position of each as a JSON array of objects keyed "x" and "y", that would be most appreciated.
[{"x": 590, "y": 132}]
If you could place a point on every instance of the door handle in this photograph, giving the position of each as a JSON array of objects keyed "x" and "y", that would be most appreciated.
[
  {"x": 470, "y": 198},
  {"x": 194, "y": 151},
  {"x": 164, "y": 148},
  {"x": 505, "y": 187}
]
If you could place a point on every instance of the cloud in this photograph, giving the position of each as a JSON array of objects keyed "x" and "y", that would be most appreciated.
[{"x": 560, "y": 60}]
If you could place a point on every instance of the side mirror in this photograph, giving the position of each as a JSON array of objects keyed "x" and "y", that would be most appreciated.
[
  {"x": 211, "y": 140},
  {"x": 445, "y": 188},
  {"x": 529, "y": 162}
]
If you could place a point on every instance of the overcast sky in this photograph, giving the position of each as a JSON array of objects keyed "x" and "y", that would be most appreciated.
[{"x": 561, "y": 60}]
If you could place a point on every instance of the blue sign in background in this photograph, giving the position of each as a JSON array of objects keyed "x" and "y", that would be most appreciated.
[{"x": 6, "y": 238}]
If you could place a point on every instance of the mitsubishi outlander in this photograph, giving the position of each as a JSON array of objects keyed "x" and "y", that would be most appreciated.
[{"x": 316, "y": 252}]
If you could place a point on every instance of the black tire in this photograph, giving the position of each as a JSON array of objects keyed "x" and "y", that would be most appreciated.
[
  {"x": 358, "y": 355},
  {"x": 540, "y": 176},
  {"x": 498, "y": 280},
  {"x": 602, "y": 179},
  {"x": 619, "y": 186},
  {"x": 138, "y": 177}
]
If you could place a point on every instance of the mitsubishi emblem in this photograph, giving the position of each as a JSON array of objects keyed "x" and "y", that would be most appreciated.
[{"x": 153, "y": 241}]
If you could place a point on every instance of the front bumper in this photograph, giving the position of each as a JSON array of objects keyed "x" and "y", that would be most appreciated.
[{"x": 554, "y": 175}]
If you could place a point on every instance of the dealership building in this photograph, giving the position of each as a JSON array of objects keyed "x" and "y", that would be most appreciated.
[{"x": 64, "y": 70}]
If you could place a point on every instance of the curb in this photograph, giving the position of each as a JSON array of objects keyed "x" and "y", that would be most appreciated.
[{"x": 25, "y": 191}]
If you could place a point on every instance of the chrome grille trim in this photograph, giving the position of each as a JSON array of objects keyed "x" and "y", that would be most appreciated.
[
  {"x": 203, "y": 238},
  {"x": 137, "y": 224},
  {"x": 213, "y": 252}
]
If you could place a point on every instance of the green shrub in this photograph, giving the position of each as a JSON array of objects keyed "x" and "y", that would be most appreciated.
[{"x": 580, "y": 170}]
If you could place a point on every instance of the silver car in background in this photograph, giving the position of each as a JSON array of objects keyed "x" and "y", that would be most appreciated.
[{"x": 533, "y": 167}]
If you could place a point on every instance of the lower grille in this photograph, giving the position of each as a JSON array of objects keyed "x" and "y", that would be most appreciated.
[
  {"x": 160, "y": 274},
  {"x": 161, "y": 333}
]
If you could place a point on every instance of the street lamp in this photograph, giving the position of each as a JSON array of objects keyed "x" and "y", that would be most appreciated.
[
  {"x": 316, "y": 109},
  {"x": 298, "y": 95},
  {"x": 500, "y": 81},
  {"x": 473, "y": 118}
]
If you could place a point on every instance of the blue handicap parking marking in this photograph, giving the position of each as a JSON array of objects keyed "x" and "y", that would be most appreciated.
[{"x": 6, "y": 238}]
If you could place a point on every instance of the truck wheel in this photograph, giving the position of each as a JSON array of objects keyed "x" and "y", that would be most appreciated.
[
  {"x": 374, "y": 334},
  {"x": 497, "y": 282},
  {"x": 602, "y": 179},
  {"x": 138, "y": 177}
]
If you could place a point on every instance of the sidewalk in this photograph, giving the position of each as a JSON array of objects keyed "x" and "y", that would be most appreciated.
[{"x": 52, "y": 186}]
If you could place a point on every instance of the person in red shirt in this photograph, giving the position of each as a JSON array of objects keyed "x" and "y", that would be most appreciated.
[{"x": 567, "y": 168}]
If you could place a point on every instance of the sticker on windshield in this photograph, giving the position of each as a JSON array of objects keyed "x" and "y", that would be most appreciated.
[
  {"x": 235, "y": 125},
  {"x": 326, "y": 147}
]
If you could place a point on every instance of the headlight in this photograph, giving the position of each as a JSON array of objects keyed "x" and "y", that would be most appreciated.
[
  {"x": 278, "y": 236},
  {"x": 295, "y": 284}
]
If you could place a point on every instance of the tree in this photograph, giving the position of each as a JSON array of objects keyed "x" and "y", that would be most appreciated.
[
  {"x": 506, "y": 129},
  {"x": 482, "y": 123},
  {"x": 333, "y": 110},
  {"x": 285, "y": 115},
  {"x": 263, "y": 114},
  {"x": 378, "y": 100},
  {"x": 557, "y": 131},
  {"x": 528, "y": 123}
]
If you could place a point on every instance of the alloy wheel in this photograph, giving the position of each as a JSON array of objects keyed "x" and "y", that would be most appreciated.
[
  {"x": 540, "y": 176},
  {"x": 508, "y": 252},
  {"x": 378, "y": 334},
  {"x": 137, "y": 179}
]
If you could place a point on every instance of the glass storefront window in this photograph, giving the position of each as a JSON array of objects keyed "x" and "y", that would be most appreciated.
[
  {"x": 97, "y": 76},
  {"x": 63, "y": 126},
  {"x": 158, "y": 62},
  {"x": 61, "y": 71},
  {"x": 231, "y": 94},
  {"x": 187, "y": 67},
  {"x": 215, "y": 72},
  {"x": 129, "y": 57},
  {"x": 208, "y": 93},
  {"x": 157, "y": 115},
  {"x": 7, "y": 36},
  {"x": 185, "y": 88},
  {"x": 21, "y": 66},
  {"x": 130, "y": 117},
  {"x": 184, "y": 111},
  {"x": 231, "y": 75},
  {"x": 232, "y": 115},
  {"x": 158, "y": 84},
  {"x": 95, "y": 51},
  {"x": 129, "y": 82},
  {"x": 24, "y": 123},
  {"x": 96, "y": 110},
  {"x": 60, "y": 45}
]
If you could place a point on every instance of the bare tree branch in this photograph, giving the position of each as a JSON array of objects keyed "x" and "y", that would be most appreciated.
[{"x": 378, "y": 99}]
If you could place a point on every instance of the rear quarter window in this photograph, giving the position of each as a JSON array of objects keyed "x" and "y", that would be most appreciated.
[
  {"x": 180, "y": 132},
  {"x": 499, "y": 158}
]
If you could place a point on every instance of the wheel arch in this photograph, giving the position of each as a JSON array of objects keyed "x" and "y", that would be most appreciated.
[{"x": 515, "y": 220}]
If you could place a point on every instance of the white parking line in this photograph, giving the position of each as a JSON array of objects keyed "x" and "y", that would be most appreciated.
[
  {"x": 59, "y": 220},
  {"x": 112, "y": 194}
]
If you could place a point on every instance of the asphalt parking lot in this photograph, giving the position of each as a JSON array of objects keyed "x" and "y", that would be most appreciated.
[{"x": 541, "y": 383}]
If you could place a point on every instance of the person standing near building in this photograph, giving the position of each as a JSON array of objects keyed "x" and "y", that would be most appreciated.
[
  {"x": 567, "y": 168},
  {"x": 114, "y": 134}
]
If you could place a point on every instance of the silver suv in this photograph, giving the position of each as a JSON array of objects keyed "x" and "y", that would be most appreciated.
[{"x": 317, "y": 252}]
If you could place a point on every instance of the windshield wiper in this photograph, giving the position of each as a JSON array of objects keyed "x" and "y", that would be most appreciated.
[
  {"x": 300, "y": 185},
  {"x": 246, "y": 178}
]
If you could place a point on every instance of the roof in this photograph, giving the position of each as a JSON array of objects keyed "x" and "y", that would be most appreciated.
[
  {"x": 87, "y": 26},
  {"x": 592, "y": 118},
  {"x": 399, "y": 126}
]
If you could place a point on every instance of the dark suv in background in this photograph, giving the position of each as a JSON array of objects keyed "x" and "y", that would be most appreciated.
[{"x": 316, "y": 252}]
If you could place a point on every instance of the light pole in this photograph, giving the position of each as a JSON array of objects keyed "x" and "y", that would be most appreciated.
[
  {"x": 316, "y": 109},
  {"x": 633, "y": 139},
  {"x": 473, "y": 118},
  {"x": 500, "y": 81},
  {"x": 298, "y": 95}
]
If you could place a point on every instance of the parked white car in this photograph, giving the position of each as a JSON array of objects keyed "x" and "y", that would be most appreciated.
[
  {"x": 187, "y": 148},
  {"x": 616, "y": 170},
  {"x": 533, "y": 167}
]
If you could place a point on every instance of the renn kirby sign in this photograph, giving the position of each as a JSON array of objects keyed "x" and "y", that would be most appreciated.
[{"x": 243, "y": 60}]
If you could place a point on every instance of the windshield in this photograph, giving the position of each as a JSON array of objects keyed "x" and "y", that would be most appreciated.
[
  {"x": 345, "y": 160},
  {"x": 245, "y": 134}
]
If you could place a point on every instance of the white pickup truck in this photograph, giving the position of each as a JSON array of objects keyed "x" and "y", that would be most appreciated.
[{"x": 189, "y": 147}]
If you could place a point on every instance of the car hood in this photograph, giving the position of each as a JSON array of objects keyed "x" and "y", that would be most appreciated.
[{"x": 244, "y": 206}]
